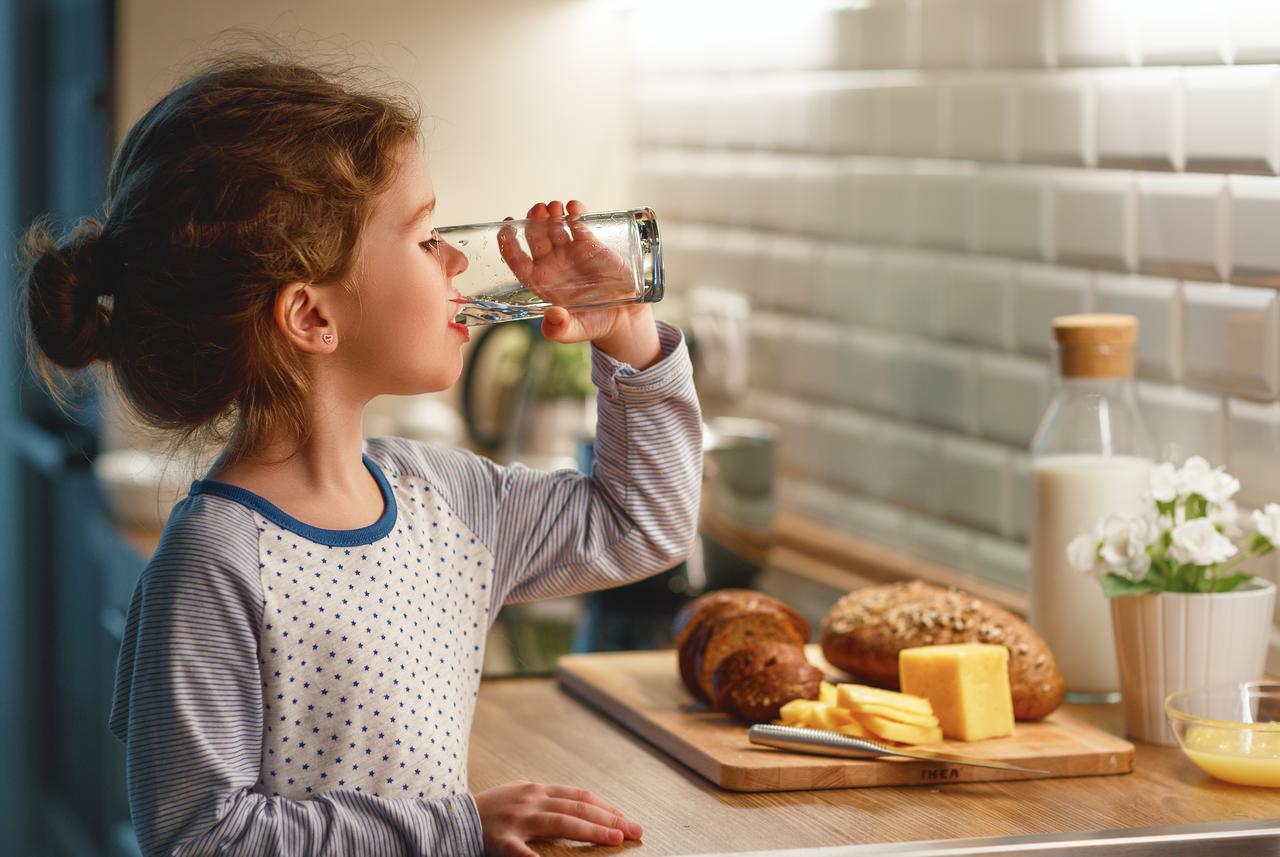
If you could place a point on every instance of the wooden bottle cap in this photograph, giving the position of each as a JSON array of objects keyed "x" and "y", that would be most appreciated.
[{"x": 1096, "y": 345}]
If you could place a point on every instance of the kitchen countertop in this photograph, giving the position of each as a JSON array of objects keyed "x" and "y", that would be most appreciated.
[{"x": 527, "y": 728}]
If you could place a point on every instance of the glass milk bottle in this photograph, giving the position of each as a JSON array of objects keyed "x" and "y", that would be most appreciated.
[{"x": 1091, "y": 456}]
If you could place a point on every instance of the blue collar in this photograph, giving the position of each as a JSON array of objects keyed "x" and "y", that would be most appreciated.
[{"x": 332, "y": 538}]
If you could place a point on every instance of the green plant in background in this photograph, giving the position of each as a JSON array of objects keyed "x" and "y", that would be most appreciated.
[
  {"x": 561, "y": 371},
  {"x": 1184, "y": 540}
]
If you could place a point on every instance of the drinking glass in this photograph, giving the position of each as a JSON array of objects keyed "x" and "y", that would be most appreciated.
[{"x": 518, "y": 268}]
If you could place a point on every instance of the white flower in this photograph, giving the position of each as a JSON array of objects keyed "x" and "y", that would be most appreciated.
[
  {"x": 1267, "y": 522},
  {"x": 1124, "y": 545},
  {"x": 1198, "y": 542},
  {"x": 1164, "y": 483},
  {"x": 1213, "y": 484},
  {"x": 1082, "y": 553},
  {"x": 1226, "y": 516}
]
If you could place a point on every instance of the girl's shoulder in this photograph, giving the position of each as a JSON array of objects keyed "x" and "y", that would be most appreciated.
[
  {"x": 442, "y": 466},
  {"x": 206, "y": 535}
]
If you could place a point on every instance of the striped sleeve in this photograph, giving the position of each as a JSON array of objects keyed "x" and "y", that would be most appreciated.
[
  {"x": 188, "y": 707},
  {"x": 564, "y": 532}
]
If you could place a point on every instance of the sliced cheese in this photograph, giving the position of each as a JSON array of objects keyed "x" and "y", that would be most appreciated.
[
  {"x": 968, "y": 685},
  {"x": 830, "y": 717},
  {"x": 854, "y": 729},
  {"x": 796, "y": 712},
  {"x": 926, "y": 720},
  {"x": 827, "y": 693},
  {"x": 849, "y": 695},
  {"x": 903, "y": 733}
]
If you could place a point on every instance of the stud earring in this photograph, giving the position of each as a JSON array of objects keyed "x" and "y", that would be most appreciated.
[{"x": 328, "y": 338}]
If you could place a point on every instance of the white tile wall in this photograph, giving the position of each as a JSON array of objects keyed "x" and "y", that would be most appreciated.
[
  {"x": 1184, "y": 422},
  {"x": 873, "y": 200},
  {"x": 849, "y": 119},
  {"x": 1182, "y": 225},
  {"x": 1001, "y": 560},
  {"x": 1041, "y": 294},
  {"x": 1140, "y": 118},
  {"x": 1229, "y": 337},
  {"x": 977, "y": 300},
  {"x": 1016, "y": 33},
  {"x": 942, "y": 543},
  {"x": 888, "y": 35},
  {"x": 1011, "y": 212},
  {"x": 1095, "y": 32},
  {"x": 935, "y": 386},
  {"x": 842, "y": 281},
  {"x": 907, "y": 120},
  {"x": 941, "y": 200},
  {"x": 1253, "y": 31},
  {"x": 981, "y": 113},
  {"x": 1254, "y": 456},
  {"x": 1181, "y": 32},
  {"x": 1230, "y": 117},
  {"x": 1157, "y": 304},
  {"x": 950, "y": 33},
  {"x": 1012, "y": 393},
  {"x": 1254, "y": 252},
  {"x": 1095, "y": 220},
  {"x": 974, "y": 482},
  {"x": 871, "y": 382},
  {"x": 1055, "y": 120},
  {"x": 906, "y": 295},
  {"x": 909, "y": 458}
]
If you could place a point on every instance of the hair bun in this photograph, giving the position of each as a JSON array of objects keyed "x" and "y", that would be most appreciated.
[{"x": 64, "y": 281}]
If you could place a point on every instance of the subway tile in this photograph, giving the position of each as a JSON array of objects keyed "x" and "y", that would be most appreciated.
[
  {"x": 939, "y": 542},
  {"x": 909, "y": 458},
  {"x": 1015, "y": 33},
  {"x": 768, "y": 337},
  {"x": 734, "y": 262},
  {"x": 1011, "y": 212},
  {"x": 1004, "y": 562},
  {"x": 949, "y": 34},
  {"x": 849, "y": 119},
  {"x": 1181, "y": 32},
  {"x": 907, "y": 120},
  {"x": 807, "y": 362},
  {"x": 888, "y": 35},
  {"x": 808, "y": 199},
  {"x": 980, "y": 112},
  {"x": 1182, "y": 225},
  {"x": 1229, "y": 119},
  {"x": 740, "y": 189},
  {"x": 1254, "y": 456},
  {"x": 789, "y": 272},
  {"x": 973, "y": 482},
  {"x": 841, "y": 454},
  {"x": 1254, "y": 210},
  {"x": 791, "y": 123},
  {"x": 1019, "y": 521},
  {"x": 906, "y": 294},
  {"x": 1012, "y": 393},
  {"x": 738, "y": 117},
  {"x": 940, "y": 209},
  {"x": 977, "y": 299},
  {"x": 1253, "y": 31},
  {"x": 871, "y": 381},
  {"x": 1139, "y": 119},
  {"x": 1094, "y": 220},
  {"x": 873, "y": 200},
  {"x": 935, "y": 386},
  {"x": 1158, "y": 307},
  {"x": 1229, "y": 337},
  {"x": 686, "y": 251},
  {"x": 844, "y": 278},
  {"x": 1184, "y": 422},
  {"x": 1055, "y": 120},
  {"x": 879, "y": 521},
  {"x": 1095, "y": 33},
  {"x": 1042, "y": 293}
]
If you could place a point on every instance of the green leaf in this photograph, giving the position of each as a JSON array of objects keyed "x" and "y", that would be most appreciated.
[
  {"x": 1230, "y": 582},
  {"x": 1114, "y": 584}
]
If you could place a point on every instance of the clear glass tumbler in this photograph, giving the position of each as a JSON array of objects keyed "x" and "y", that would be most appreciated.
[{"x": 518, "y": 268}]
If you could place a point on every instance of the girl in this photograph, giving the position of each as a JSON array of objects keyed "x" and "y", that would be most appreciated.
[{"x": 302, "y": 653}]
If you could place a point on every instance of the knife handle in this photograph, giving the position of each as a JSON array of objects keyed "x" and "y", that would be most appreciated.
[{"x": 801, "y": 740}]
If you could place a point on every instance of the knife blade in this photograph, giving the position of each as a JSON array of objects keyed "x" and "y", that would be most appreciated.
[{"x": 827, "y": 743}]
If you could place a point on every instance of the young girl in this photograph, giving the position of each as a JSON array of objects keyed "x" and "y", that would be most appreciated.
[{"x": 302, "y": 654}]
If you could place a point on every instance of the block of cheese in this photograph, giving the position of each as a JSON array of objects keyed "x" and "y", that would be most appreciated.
[{"x": 968, "y": 685}]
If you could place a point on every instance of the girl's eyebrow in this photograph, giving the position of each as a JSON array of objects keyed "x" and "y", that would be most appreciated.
[{"x": 428, "y": 207}]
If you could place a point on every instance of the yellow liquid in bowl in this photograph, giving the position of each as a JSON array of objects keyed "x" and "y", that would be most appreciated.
[{"x": 1246, "y": 757}]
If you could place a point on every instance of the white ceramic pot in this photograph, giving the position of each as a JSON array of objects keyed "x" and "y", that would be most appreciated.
[{"x": 1174, "y": 641}]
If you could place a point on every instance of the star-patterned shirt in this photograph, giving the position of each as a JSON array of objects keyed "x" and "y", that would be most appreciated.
[{"x": 289, "y": 690}]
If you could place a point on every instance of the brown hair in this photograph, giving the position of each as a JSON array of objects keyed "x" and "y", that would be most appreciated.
[{"x": 253, "y": 173}]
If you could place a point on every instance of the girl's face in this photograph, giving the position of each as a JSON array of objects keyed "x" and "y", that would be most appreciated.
[{"x": 399, "y": 336}]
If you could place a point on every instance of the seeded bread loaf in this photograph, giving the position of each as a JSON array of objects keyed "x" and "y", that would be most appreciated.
[
  {"x": 703, "y": 610},
  {"x": 863, "y": 633},
  {"x": 756, "y": 681}
]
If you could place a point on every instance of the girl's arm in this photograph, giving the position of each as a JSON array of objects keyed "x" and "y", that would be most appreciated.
[{"x": 189, "y": 708}]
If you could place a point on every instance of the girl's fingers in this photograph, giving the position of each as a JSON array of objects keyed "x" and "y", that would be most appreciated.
[
  {"x": 574, "y": 792},
  {"x": 535, "y": 232},
  {"x": 556, "y": 232},
  {"x": 595, "y": 814},
  {"x": 553, "y": 825},
  {"x": 515, "y": 848}
]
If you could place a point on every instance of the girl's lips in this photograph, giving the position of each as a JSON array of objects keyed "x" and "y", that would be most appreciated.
[{"x": 461, "y": 328}]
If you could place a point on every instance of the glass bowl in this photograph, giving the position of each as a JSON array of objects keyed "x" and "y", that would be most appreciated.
[{"x": 1230, "y": 731}]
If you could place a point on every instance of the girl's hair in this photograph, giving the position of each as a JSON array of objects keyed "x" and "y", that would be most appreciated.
[{"x": 253, "y": 173}]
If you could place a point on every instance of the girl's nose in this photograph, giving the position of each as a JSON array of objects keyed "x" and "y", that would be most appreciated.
[{"x": 455, "y": 261}]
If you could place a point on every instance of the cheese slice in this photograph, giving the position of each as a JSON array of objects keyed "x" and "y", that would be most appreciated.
[
  {"x": 829, "y": 717},
  {"x": 914, "y": 718},
  {"x": 849, "y": 695},
  {"x": 903, "y": 733},
  {"x": 796, "y": 712},
  {"x": 827, "y": 693},
  {"x": 854, "y": 729},
  {"x": 968, "y": 685}
]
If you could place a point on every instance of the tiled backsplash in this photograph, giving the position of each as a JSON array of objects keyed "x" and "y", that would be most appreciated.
[{"x": 910, "y": 190}]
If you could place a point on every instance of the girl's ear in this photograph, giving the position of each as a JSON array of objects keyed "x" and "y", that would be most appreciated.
[{"x": 304, "y": 318}]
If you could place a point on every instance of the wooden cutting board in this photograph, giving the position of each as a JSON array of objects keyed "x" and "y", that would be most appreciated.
[{"x": 642, "y": 690}]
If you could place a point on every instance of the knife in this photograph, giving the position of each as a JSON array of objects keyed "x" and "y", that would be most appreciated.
[{"x": 827, "y": 743}]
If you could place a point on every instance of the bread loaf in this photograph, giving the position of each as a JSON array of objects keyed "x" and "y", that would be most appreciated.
[
  {"x": 720, "y": 624},
  {"x": 863, "y": 633},
  {"x": 755, "y": 681}
]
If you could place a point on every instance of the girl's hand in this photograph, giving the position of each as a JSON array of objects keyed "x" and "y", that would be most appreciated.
[
  {"x": 514, "y": 813},
  {"x": 567, "y": 264}
]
